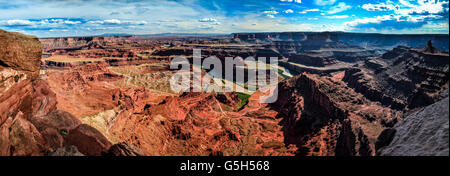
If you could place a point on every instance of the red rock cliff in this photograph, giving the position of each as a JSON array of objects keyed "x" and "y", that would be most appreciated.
[
  {"x": 30, "y": 123},
  {"x": 323, "y": 117}
]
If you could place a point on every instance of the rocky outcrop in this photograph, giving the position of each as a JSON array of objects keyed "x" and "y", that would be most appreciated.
[
  {"x": 88, "y": 140},
  {"x": 24, "y": 138},
  {"x": 30, "y": 123},
  {"x": 19, "y": 66},
  {"x": 404, "y": 78},
  {"x": 363, "y": 83},
  {"x": 193, "y": 124},
  {"x": 84, "y": 90},
  {"x": 430, "y": 48},
  {"x": 311, "y": 60},
  {"x": 74, "y": 42},
  {"x": 323, "y": 117},
  {"x": 66, "y": 151},
  {"x": 124, "y": 149},
  {"x": 20, "y": 52},
  {"x": 423, "y": 133}
]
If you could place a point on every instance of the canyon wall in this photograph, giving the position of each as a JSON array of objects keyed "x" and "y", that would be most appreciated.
[
  {"x": 71, "y": 42},
  {"x": 325, "y": 118},
  {"x": 403, "y": 78},
  {"x": 423, "y": 133},
  {"x": 30, "y": 123}
]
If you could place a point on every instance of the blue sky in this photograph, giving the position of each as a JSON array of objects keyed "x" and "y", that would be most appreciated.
[{"x": 53, "y": 18}]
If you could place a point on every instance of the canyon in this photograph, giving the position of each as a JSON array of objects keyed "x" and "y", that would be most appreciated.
[{"x": 340, "y": 94}]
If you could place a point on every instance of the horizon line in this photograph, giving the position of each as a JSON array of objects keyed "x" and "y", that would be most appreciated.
[{"x": 223, "y": 34}]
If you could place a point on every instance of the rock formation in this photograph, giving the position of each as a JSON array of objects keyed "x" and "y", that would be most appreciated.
[
  {"x": 124, "y": 149},
  {"x": 323, "y": 117},
  {"x": 404, "y": 78},
  {"x": 19, "y": 66},
  {"x": 360, "y": 39},
  {"x": 20, "y": 52},
  {"x": 423, "y": 133},
  {"x": 66, "y": 151},
  {"x": 430, "y": 48},
  {"x": 30, "y": 123}
]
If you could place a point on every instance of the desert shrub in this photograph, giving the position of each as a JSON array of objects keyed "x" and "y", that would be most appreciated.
[{"x": 244, "y": 100}]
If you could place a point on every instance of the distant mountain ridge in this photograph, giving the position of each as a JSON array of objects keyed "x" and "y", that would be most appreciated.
[
  {"x": 440, "y": 41},
  {"x": 387, "y": 41}
]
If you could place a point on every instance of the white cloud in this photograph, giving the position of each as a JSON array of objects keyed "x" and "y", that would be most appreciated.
[
  {"x": 117, "y": 22},
  {"x": 19, "y": 23},
  {"x": 408, "y": 16},
  {"x": 365, "y": 20},
  {"x": 339, "y": 8},
  {"x": 72, "y": 22},
  {"x": 112, "y": 21},
  {"x": 208, "y": 20},
  {"x": 297, "y": 1},
  {"x": 338, "y": 16},
  {"x": 272, "y": 12},
  {"x": 424, "y": 7},
  {"x": 422, "y": 18},
  {"x": 393, "y": 18},
  {"x": 324, "y": 2},
  {"x": 56, "y": 30},
  {"x": 288, "y": 11},
  {"x": 309, "y": 10},
  {"x": 406, "y": 3},
  {"x": 138, "y": 22},
  {"x": 379, "y": 7}
]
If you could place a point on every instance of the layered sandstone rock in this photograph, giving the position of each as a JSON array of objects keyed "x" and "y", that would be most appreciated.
[
  {"x": 323, "y": 117},
  {"x": 66, "y": 151},
  {"x": 361, "y": 39},
  {"x": 199, "y": 124},
  {"x": 124, "y": 149},
  {"x": 30, "y": 123},
  {"x": 20, "y": 52},
  {"x": 423, "y": 133},
  {"x": 19, "y": 66},
  {"x": 88, "y": 140},
  {"x": 73, "y": 42},
  {"x": 404, "y": 78},
  {"x": 84, "y": 90}
]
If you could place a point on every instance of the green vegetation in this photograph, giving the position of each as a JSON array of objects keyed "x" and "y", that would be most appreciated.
[
  {"x": 244, "y": 100},
  {"x": 280, "y": 71},
  {"x": 63, "y": 132},
  {"x": 246, "y": 86}
]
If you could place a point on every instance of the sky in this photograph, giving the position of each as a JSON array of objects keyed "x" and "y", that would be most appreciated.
[{"x": 55, "y": 18}]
